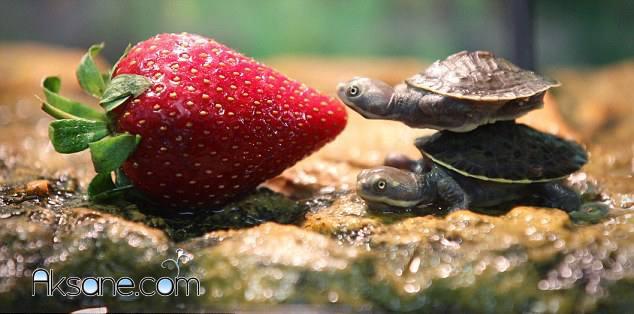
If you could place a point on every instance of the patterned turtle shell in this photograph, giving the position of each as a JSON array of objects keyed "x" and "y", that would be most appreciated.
[
  {"x": 504, "y": 152},
  {"x": 480, "y": 76}
]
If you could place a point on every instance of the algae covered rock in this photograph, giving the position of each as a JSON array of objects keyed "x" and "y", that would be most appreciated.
[
  {"x": 272, "y": 264},
  {"x": 481, "y": 263}
]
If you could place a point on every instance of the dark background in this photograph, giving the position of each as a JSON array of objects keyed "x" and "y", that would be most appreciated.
[{"x": 582, "y": 32}]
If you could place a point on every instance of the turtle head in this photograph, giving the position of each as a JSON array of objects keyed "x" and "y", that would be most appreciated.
[
  {"x": 371, "y": 98},
  {"x": 385, "y": 187}
]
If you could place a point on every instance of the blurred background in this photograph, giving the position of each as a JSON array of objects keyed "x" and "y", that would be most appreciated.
[{"x": 582, "y": 32}]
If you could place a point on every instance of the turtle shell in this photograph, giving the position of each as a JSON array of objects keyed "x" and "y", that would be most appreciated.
[
  {"x": 504, "y": 152},
  {"x": 480, "y": 76}
]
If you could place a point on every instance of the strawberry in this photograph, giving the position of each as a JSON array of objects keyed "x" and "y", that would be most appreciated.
[{"x": 190, "y": 122}]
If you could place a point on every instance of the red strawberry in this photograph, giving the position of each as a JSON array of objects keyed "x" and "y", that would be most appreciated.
[{"x": 213, "y": 124}]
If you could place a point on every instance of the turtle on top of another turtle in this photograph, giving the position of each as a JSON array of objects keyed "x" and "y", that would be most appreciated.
[
  {"x": 491, "y": 165},
  {"x": 460, "y": 93}
]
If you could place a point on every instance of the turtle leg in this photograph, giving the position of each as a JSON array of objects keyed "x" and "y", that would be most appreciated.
[
  {"x": 401, "y": 161},
  {"x": 452, "y": 193},
  {"x": 557, "y": 195}
]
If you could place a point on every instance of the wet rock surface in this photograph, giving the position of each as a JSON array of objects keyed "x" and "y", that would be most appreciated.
[{"x": 305, "y": 239}]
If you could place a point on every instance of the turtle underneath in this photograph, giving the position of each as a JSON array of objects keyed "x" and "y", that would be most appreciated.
[
  {"x": 460, "y": 93},
  {"x": 491, "y": 165}
]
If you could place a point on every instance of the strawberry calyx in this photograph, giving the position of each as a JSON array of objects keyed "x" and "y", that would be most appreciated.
[{"x": 78, "y": 127}]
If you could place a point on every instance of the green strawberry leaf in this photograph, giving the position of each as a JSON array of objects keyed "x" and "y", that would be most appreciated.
[
  {"x": 110, "y": 152},
  {"x": 101, "y": 183},
  {"x": 74, "y": 135},
  {"x": 121, "y": 179},
  {"x": 101, "y": 188},
  {"x": 125, "y": 53},
  {"x": 88, "y": 74},
  {"x": 54, "y": 112},
  {"x": 109, "y": 106},
  {"x": 62, "y": 108},
  {"x": 52, "y": 83},
  {"x": 123, "y": 87},
  {"x": 106, "y": 78}
]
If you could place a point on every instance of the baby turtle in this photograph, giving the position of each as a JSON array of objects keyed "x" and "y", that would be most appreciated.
[
  {"x": 491, "y": 165},
  {"x": 460, "y": 93}
]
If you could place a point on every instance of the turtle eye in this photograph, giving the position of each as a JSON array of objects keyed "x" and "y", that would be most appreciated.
[
  {"x": 380, "y": 185},
  {"x": 353, "y": 91}
]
